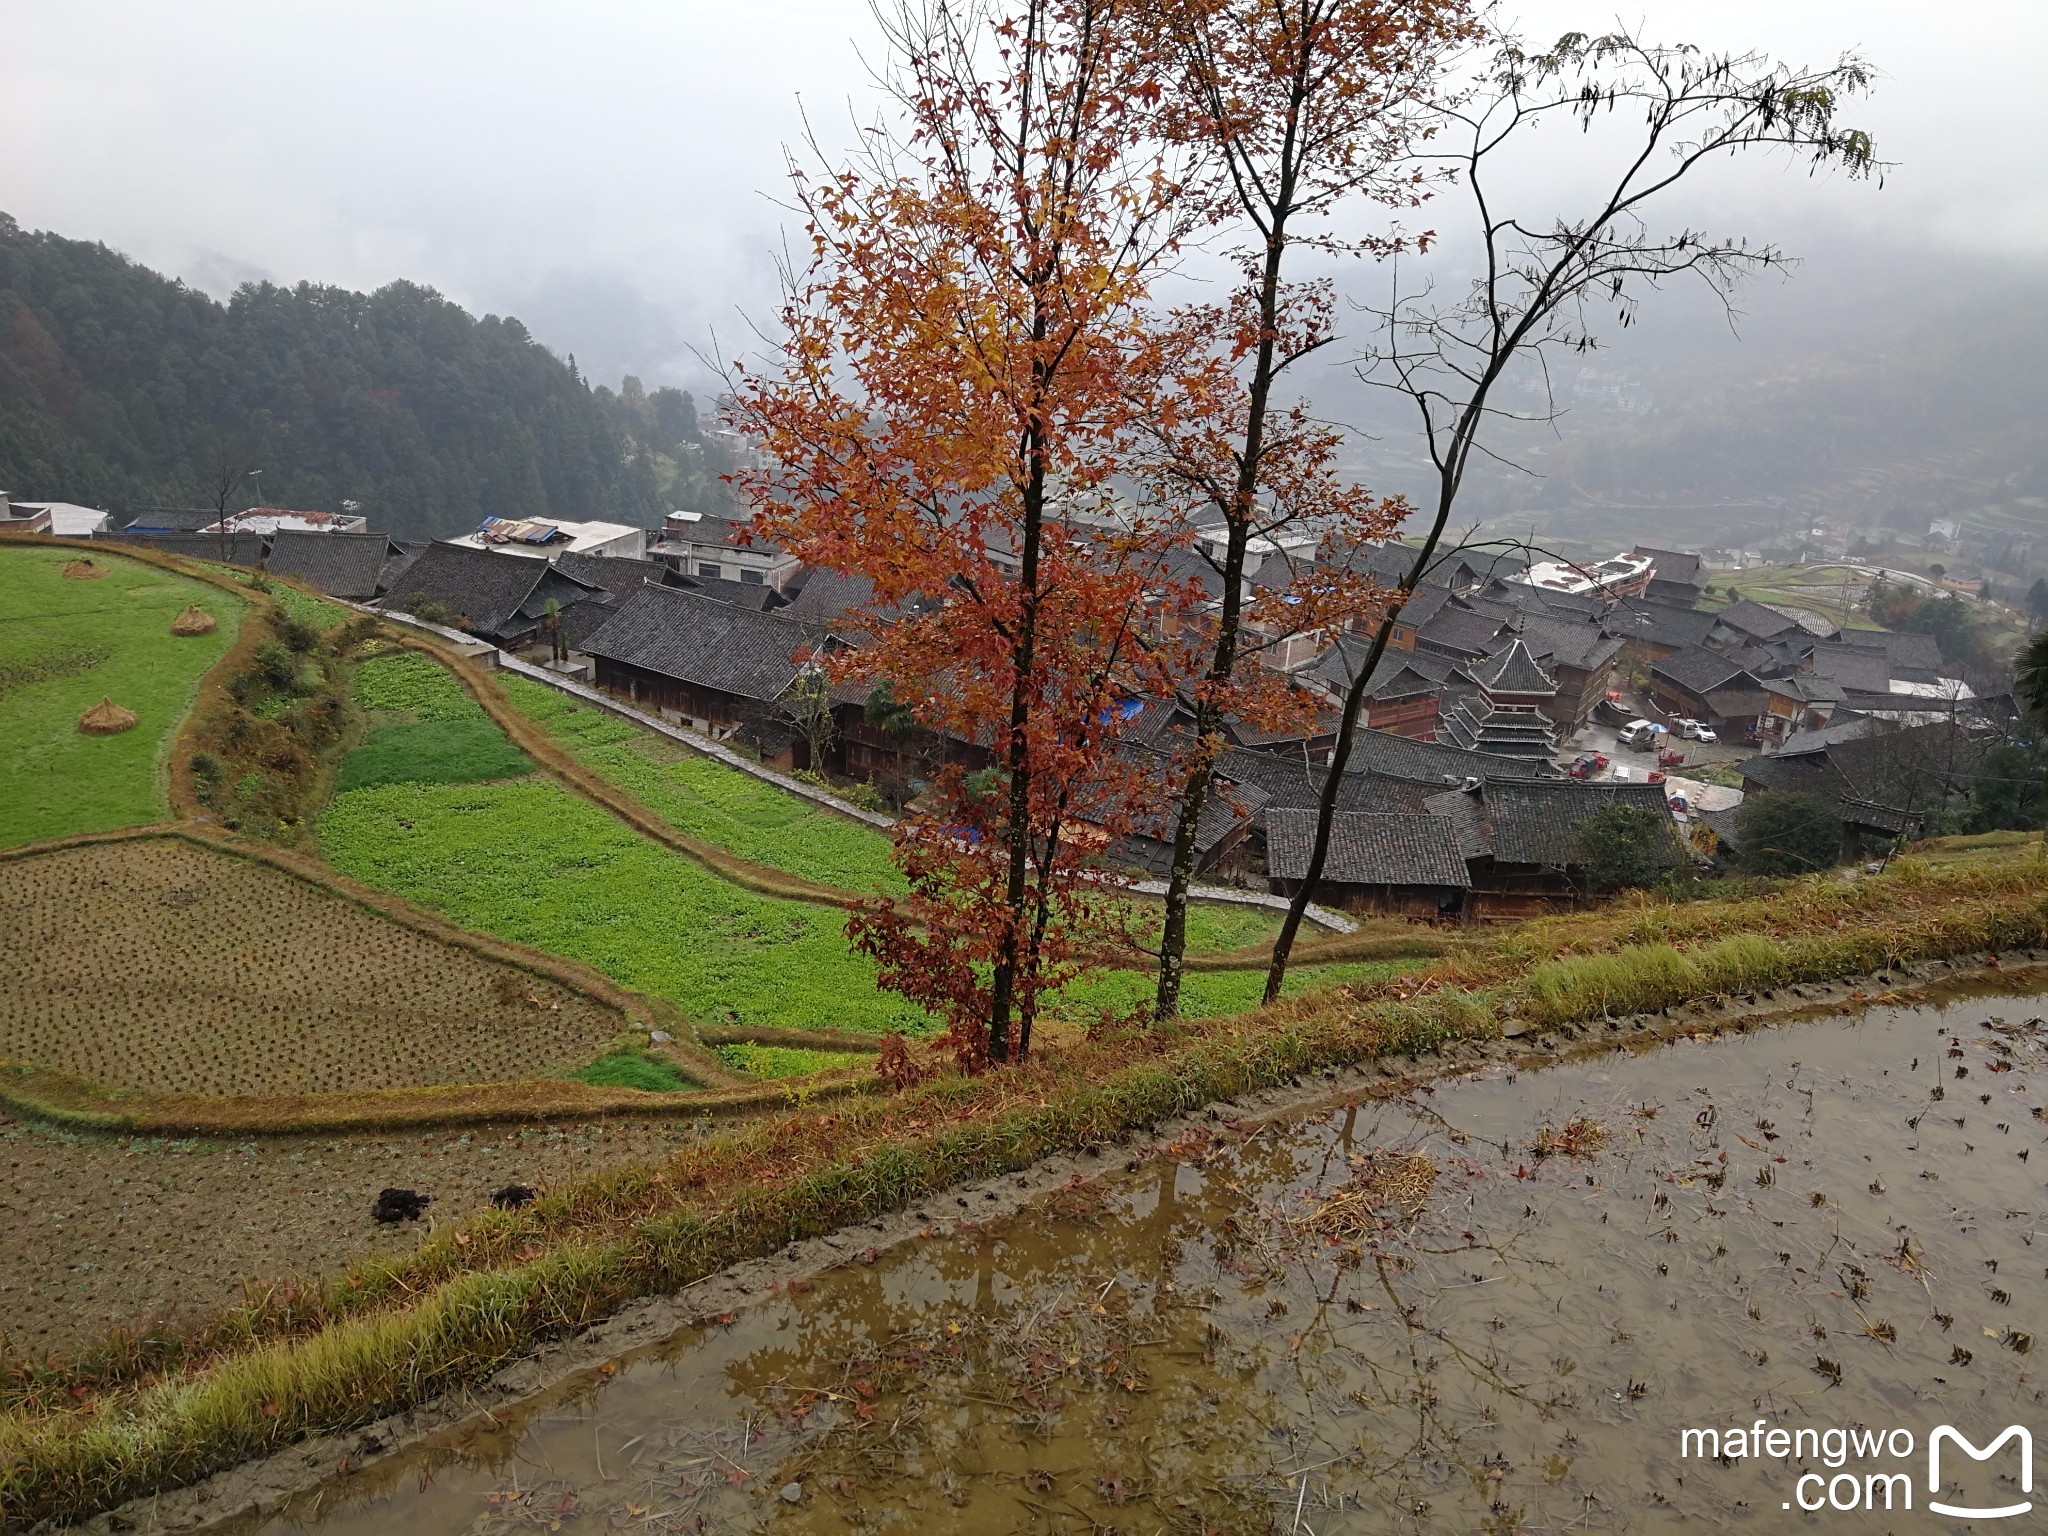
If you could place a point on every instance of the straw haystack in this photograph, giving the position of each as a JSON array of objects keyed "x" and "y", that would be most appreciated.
[
  {"x": 83, "y": 569},
  {"x": 195, "y": 620},
  {"x": 106, "y": 718}
]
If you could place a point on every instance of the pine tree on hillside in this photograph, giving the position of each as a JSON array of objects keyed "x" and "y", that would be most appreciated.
[{"x": 121, "y": 387}]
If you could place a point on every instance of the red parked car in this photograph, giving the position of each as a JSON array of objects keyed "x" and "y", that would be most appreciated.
[{"x": 1586, "y": 764}]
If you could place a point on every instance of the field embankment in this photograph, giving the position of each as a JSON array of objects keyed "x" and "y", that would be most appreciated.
[{"x": 357, "y": 1345}]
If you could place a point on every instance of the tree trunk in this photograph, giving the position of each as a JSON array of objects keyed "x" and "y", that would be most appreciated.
[
  {"x": 1023, "y": 662},
  {"x": 1448, "y": 480},
  {"x": 1223, "y": 663}
]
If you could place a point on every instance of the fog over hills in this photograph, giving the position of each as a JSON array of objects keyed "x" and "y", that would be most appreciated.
[{"x": 1877, "y": 387}]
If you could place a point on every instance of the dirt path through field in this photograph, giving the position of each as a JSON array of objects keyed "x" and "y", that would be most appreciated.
[{"x": 103, "y": 1232}]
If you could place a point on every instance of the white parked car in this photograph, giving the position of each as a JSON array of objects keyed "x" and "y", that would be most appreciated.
[
  {"x": 1639, "y": 735},
  {"x": 1696, "y": 730}
]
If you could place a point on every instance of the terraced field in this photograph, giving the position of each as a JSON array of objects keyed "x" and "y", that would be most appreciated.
[
  {"x": 705, "y": 799},
  {"x": 65, "y": 643},
  {"x": 424, "y": 729},
  {"x": 160, "y": 964},
  {"x": 529, "y": 861}
]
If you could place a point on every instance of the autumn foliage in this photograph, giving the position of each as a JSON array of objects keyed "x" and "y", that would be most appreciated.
[
  {"x": 958, "y": 381},
  {"x": 1292, "y": 109}
]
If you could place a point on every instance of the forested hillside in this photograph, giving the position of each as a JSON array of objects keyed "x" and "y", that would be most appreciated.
[{"x": 121, "y": 387}]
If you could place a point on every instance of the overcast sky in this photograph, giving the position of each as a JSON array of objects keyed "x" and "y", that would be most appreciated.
[{"x": 607, "y": 170}]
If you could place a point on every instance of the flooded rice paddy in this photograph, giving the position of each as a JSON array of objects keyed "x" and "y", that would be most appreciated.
[{"x": 1493, "y": 1305}]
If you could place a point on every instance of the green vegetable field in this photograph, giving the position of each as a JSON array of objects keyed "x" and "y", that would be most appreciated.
[
  {"x": 709, "y": 801},
  {"x": 424, "y": 730},
  {"x": 728, "y": 809},
  {"x": 65, "y": 644},
  {"x": 528, "y": 861}
]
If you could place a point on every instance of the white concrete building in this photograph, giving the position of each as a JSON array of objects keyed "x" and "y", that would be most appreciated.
[
  {"x": 715, "y": 548},
  {"x": 268, "y": 520},
  {"x": 549, "y": 537},
  {"x": 1618, "y": 576},
  {"x": 68, "y": 520}
]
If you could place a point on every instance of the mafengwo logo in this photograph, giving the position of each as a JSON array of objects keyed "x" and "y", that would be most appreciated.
[{"x": 1852, "y": 1483}]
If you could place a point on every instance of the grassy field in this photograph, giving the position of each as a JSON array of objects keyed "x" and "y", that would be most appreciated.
[
  {"x": 65, "y": 644},
  {"x": 528, "y": 861},
  {"x": 424, "y": 730},
  {"x": 709, "y": 801},
  {"x": 771, "y": 1061},
  {"x": 158, "y": 964},
  {"x": 303, "y": 606},
  {"x": 731, "y": 810}
]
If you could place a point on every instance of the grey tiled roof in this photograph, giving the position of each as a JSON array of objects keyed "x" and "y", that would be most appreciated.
[
  {"x": 1232, "y": 803},
  {"x": 1910, "y": 650},
  {"x": 1673, "y": 565},
  {"x": 1459, "y": 630},
  {"x": 1286, "y": 783},
  {"x": 1460, "y": 808},
  {"x": 697, "y": 639},
  {"x": 1869, "y": 671},
  {"x": 1428, "y": 762},
  {"x": 741, "y": 594},
  {"x": 1806, "y": 773},
  {"x": 1753, "y": 618},
  {"x": 1398, "y": 674},
  {"x": 1659, "y": 623},
  {"x": 1885, "y": 818},
  {"x": 1697, "y": 669},
  {"x": 1537, "y": 822},
  {"x": 1800, "y": 742},
  {"x": 1536, "y": 602},
  {"x": 494, "y": 595},
  {"x": 1584, "y": 647},
  {"x": 1513, "y": 670},
  {"x": 826, "y": 595},
  {"x": 1367, "y": 849},
  {"x": 405, "y": 552},
  {"x": 1424, "y": 604},
  {"x": 1389, "y": 565},
  {"x": 339, "y": 564},
  {"x": 1387, "y": 773},
  {"x": 620, "y": 576}
]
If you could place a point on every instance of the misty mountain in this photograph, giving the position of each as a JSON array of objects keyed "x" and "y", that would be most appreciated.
[
  {"x": 120, "y": 387},
  {"x": 1875, "y": 387}
]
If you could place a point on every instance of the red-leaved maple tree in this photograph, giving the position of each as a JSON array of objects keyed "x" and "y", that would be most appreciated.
[{"x": 957, "y": 382}]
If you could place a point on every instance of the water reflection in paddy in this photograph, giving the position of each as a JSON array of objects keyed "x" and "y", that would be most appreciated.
[{"x": 1488, "y": 1307}]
